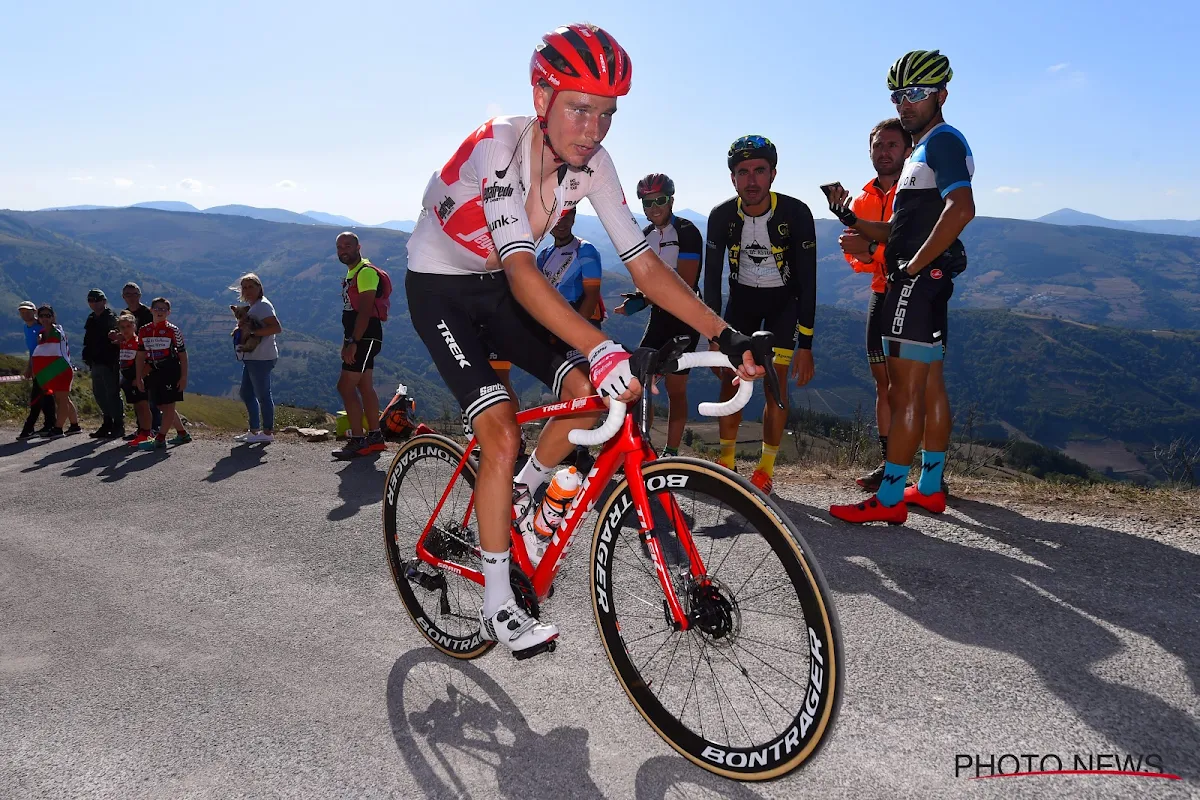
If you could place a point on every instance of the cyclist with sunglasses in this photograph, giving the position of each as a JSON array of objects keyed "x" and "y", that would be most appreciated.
[
  {"x": 932, "y": 206},
  {"x": 472, "y": 267},
  {"x": 772, "y": 245},
  {"x": 678, "y": 243}
]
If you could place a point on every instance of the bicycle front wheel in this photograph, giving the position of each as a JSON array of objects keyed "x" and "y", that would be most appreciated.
[
  {"x": 751, "y": 689},
  {"x": 443, "y": 604}
]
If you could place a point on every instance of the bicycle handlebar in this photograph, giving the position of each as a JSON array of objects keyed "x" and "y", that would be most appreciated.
[{"x": 617, "y": 409}]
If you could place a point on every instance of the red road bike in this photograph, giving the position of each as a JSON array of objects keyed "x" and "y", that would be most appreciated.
[{"x": 715, "y": 617}]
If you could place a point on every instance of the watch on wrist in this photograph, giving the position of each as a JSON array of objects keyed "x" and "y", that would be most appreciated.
[{"x": 871, "y": 248}]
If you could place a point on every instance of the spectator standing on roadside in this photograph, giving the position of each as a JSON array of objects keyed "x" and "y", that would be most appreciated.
[
  {"x": 889, "y": 146},
  {"x": 132, "y": 295},
  {"x": 102, "y": 356},
  {"x": 128, "y": 347},
  {"x": 363, "y": 337},
  {"x": 40, "y": 402},
  {"x": 50, "y": 364},
  {"x": 257, "y": 363},
  {"x": 162, "y": 372}
]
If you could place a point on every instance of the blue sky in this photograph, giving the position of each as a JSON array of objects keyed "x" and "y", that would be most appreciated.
[{"x": 348, "y": 108}]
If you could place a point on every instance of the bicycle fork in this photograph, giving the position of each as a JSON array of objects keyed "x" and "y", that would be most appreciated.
[{"x": 675, "y": 613}]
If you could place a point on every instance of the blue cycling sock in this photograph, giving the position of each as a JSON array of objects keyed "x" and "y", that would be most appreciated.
[
  {"x": 931, "y": 472},
  {"x": 891, "y": 488}
]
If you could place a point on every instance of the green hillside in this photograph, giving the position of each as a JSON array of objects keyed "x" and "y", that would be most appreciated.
[{"x": 1052, "y": 380}]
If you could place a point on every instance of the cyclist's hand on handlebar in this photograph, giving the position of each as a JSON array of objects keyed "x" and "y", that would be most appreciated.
[
  {"x": 745, "y": 352},
  {"x": 610, "y": 372},
  {"x": 803, "y": 361}
]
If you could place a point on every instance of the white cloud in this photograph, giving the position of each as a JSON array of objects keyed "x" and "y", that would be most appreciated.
[
  {"x": 1058, "y": 67},
  {"x": 1008, "y": 190},
  {"x": 122, "y": 183},
  {"x": 286, "y": 185},
  {"x": 82, "y": 178},
  {"x": 191, "y": 185},
  {"x": 1173, "y": 193}
]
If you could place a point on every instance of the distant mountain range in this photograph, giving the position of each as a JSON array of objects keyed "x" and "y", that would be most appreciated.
[
  {"x": 1096, "y": 383},
  {"x": 1174, "y": 227},
  {"x": 254, "y": 212}
]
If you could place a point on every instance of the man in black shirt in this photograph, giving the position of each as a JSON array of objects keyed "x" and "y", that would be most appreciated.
[{"x": 102, "y": 355}]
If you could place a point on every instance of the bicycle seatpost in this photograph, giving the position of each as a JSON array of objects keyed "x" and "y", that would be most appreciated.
[{"x": 762, "y": 345}]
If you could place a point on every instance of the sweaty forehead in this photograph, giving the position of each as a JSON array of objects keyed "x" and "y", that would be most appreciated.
[{"x": 591, "y": 102}]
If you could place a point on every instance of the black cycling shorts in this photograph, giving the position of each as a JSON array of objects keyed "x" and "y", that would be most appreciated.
[
  {"x": 132, "y": 394},
  {"x": 754, "y": 308},
  {"x": 162, "y": 384},
  {"x": 875, "y": 353},
  {"x": 663, "y": 327},
  {"x": 364, "y": 355},
  {"x": 451, "y": 314},
  {"x": 914, "y": 316}
]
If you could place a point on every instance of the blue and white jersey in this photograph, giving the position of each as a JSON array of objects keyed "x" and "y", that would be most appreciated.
[
  {"x": 940, "y": 163},
  {"x": 569, "y": 267}
]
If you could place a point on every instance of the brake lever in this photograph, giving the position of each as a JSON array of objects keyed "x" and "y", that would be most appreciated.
[{"x": 762, "y": 345}]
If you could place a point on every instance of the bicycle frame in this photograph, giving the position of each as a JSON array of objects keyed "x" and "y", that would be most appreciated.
[{"x": 627, "y": 448}]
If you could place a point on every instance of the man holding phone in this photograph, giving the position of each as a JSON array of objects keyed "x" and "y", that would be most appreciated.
[
  {"x": 933, "y": 204},
  {"x": 889, "y": 146},
  {"x": 772, "y": 245}
]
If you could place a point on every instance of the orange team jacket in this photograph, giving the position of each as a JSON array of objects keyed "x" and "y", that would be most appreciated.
[{"x": 874, "y": 205}]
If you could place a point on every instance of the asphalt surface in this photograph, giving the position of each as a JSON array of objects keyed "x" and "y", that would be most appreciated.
[{"x": 220, "y": 621}]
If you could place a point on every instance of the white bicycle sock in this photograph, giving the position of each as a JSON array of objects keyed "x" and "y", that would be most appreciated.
[
  {"x": 496, "y": 589},
  {"x": 534, "y": 474}
]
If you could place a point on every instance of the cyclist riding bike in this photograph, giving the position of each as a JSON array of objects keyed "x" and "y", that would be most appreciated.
[
  {"x": 932, "y": 206},
  {"x": 772, "y": 245},
  {"x": 471, "y": 266}
]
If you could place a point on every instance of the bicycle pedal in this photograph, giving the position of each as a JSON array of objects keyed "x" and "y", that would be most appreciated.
[{"x": 537, "y": 649}]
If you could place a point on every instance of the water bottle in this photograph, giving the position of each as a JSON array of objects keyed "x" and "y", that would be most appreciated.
[{"x": 559, "y": 494}]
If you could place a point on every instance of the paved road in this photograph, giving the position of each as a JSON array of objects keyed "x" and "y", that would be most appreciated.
[{"x": 220, "y": 621}]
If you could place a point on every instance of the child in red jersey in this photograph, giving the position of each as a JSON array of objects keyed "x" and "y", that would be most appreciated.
[
  {"x": 162, "y": 371},
  {"x": 128, "y": 343}
]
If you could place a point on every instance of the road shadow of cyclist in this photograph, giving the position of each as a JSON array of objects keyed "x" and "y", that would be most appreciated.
[
  {"x": 462, "y": 735},
  {"x": 241, "y": 458},
  {"x": 670, "y": 777},
  {"x": 1061, "y": 597},
  {"x": 360, "y": 484}
]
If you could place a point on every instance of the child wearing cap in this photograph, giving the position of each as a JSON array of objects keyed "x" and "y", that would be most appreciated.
[{"x": 162, "y": 372}]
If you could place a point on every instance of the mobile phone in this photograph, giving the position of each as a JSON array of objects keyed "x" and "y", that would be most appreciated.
[{"x": 828, "y": 188}]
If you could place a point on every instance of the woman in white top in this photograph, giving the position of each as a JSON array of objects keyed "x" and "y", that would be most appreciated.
[{"x": 259, "y": 321}]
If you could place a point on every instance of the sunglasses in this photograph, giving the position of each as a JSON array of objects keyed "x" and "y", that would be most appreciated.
[
  {"x": 160, "y": 310},
  {"x": 44, "y": 315},
  {"x": 650, "y": 202},
  {"x": 913, "y": 94}
]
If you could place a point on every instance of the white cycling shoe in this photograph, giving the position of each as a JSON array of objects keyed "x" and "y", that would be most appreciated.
[
  {"x": 516, "y": 630},
  {"x": 535, "y": 546}
]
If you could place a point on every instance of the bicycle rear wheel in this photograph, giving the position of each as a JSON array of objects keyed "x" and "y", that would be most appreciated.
[
  {"x": 750, "y": 691},
  {"x": 443, "y": 604}
]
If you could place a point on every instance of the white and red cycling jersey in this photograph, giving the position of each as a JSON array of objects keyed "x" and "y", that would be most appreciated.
[{"x": 476, "y": 202}]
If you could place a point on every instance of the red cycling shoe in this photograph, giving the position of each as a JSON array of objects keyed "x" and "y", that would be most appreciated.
[
  {"x": 871, "y": 510},
  {"x": 933, "y": 503}
]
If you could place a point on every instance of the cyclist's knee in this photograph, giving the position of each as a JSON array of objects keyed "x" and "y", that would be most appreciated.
[
  {"x": 498, "y": 434},
  {"x": 576, "y": 384}
]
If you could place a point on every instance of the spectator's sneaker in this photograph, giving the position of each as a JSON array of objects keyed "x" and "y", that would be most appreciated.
[
  {"x": 157, "y": 443},
  {"x": 245, "y": 437},
  {"x": 74, "y": 429},
  {"x": 762, "y": 481},
  {"x": 933, "y": 503},
  {"x": 180, "y": 438},
  {"x": 871, "y": 511},
  {"x": 129, "y": 437},
  {"x": 139, "y": 437},
  {"x": 374, "y": 442},
  {"x": 26, "y": 433},
  {"x": 101, "y": 433},
  {"x": 516, "y": 630},
  {"x": 259, "y": 438},
  {"x": 116, "y": 433},
  {"x": 50, "y": 433},
  {"x": 355, "y": 447},
  {"x": 872, "y": 479}
]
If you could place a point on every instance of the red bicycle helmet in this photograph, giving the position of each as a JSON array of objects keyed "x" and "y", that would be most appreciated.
[
  {"x": 581, "y": 58},
  {"x": 655, "y": 183}
]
